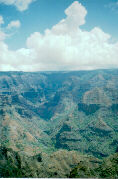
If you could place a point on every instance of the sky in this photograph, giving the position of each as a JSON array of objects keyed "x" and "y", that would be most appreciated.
[{"x": 50, "y": 35}]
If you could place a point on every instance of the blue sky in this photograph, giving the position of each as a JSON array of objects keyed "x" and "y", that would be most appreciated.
[
  {"x": 24, "y": 23},
  {"x": 43, "y": 14}
]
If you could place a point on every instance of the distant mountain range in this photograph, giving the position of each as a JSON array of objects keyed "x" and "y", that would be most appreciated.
[{"x": 59, "y": 114}]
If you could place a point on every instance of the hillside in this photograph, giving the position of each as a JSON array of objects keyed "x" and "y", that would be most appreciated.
[
  {"x": 60, "y": 110},
  {"x": 54, "y": 111},
  {"x": 108, "y": 168}
]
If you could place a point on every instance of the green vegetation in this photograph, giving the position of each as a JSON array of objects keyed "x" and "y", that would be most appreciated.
[
  {"x": 48, "y": 112},
  {"x": 88, "y": 109},
  {"x": 59, "y": 164},
  {"x": 105, "y": 169}
]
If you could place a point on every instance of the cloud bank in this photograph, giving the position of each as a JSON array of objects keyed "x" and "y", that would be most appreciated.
[
  {"x": 63, "y": 47},
  {"x": 20, "y": 4}
]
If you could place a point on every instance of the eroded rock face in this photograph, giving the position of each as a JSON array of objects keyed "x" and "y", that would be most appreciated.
[{"x": 48, "y": 111}]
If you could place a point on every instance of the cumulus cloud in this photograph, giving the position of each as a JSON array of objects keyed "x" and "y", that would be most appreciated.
[
  {"x": 13, "y": 24},
  {"x": 63, "y": 47},
  {"x": 20, "y": 4},
  {"x": 75, "y": 17},
  {"x": 14, "y": 60}
]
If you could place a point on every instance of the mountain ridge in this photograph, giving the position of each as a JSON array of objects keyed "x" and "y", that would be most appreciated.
[{"x": 34, "y": 107}]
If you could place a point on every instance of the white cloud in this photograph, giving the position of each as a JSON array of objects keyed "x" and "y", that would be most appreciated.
[
  {"x": 1, "y": 20},
  {"x": 14, "y": 60},
  {"x": 64, "y": 47},
  {"x": 15, "y": 24},
  {"x": 20, "y": 4},
  {"x": 75, "y": 17}
]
